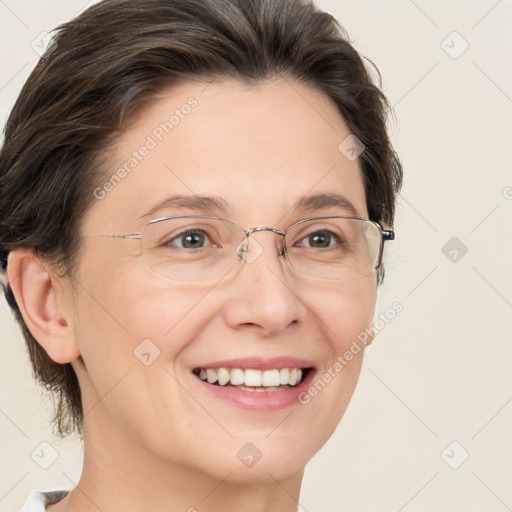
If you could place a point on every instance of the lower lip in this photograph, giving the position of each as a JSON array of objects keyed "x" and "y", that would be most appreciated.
[{"x": 258, "y": 400}]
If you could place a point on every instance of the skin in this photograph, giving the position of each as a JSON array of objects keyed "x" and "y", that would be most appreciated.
[{"x": 154, "y": 440}]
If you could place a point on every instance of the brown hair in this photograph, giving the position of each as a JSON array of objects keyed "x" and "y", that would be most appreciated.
[{"x": 112, "y": 60}]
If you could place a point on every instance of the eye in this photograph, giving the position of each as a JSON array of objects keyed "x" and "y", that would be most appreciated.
[
  {"x": 320, "y": 239},
  {"x": 190, "y": 239}
]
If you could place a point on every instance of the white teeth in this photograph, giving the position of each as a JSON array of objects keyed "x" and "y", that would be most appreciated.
[
  {"x": 269, "y": 379},
  {"x": 259, "y": 389},
  {"x": 223, "y": 376},
  {"x": 252, "y": 378},
  {"x": 237, "y": 376},
  {"x": 211, "y": 376}
]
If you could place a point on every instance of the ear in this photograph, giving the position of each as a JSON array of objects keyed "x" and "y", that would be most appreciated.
[{"x": 41, "y": 298}]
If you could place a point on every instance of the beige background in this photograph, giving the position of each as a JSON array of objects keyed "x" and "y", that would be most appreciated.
[{"x": 441, "y": 370}]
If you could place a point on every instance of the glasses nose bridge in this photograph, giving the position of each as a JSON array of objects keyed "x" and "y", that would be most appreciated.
[{"x": 258, "y": 229}]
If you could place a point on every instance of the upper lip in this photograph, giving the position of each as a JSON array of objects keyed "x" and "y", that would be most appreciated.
[{"x": 260, "y": 363}]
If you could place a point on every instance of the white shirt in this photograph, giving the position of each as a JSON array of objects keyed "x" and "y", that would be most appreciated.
[{"x": 37, "y": 501}]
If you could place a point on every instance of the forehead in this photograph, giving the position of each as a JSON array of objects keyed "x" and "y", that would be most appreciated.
[{"x": 259, "y": 148}]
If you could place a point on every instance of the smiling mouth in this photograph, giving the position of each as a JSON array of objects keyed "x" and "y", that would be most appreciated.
[{"x": 252, "y": 379}]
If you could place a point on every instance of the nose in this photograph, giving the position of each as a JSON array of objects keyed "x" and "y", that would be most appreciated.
[{"x": 262, "y": 295}]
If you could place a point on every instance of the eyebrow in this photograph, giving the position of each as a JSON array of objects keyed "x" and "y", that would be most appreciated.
[
  {"x": 205, "y": 204},
  {"x": 320, "y": 201},
  {"x": 214, "y": 204}
]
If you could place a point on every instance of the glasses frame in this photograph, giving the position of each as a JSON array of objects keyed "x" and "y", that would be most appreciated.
[{"x": 386, "y": 234}]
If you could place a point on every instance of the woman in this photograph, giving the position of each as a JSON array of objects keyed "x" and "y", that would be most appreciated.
[{"x": 196, "y": 196}]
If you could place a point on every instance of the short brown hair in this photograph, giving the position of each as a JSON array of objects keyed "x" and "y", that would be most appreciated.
[{"x": 112, "y": 60}]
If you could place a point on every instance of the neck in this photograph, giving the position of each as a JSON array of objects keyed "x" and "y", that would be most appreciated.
[{"x": 120, "y": 474}]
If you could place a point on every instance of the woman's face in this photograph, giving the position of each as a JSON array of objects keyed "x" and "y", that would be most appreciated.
[{"x": 260, "y": 150}]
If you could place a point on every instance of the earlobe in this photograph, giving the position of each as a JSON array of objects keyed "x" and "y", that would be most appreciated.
[{"x": 39, "y": 298}]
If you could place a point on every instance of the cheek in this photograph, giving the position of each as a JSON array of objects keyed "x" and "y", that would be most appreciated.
[
  {"x": 131, "y": 331},
  {"x": 345, "y": 310},
  {"x": 343, "y": 313},
  {"x": 123, "y": 313}
]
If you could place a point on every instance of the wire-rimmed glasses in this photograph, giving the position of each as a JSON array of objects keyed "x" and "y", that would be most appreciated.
[{"x": 202, "y": 248}]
